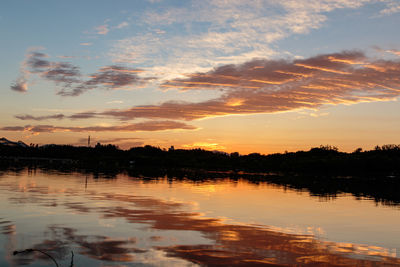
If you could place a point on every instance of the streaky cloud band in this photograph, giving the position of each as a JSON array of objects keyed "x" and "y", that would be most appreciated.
[
  {"x": 150, "y": 126},
  {"x": 268, "y": 86}
]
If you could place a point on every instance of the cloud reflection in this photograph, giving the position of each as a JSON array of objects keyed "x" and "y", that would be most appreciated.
[
  {"x": 7, "y": 227},
  {"x": 241, "y": 244},
  {"x": 61, "y": 240},
  {"x": 98, "y": 247},
  {"x": 230, "y": 244}
]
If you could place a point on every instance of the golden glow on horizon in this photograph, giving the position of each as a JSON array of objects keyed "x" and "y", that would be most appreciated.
[{"x": 203, "y": 145}]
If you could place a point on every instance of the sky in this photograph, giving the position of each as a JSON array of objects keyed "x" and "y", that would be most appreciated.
[{"x": 235, "y": 76}]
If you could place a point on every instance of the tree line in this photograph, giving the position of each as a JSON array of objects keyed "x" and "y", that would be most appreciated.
[{"x": 326, "y": 159}]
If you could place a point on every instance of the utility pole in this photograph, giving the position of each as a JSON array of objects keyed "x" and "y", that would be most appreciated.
[{"x": 88, "y": 141}]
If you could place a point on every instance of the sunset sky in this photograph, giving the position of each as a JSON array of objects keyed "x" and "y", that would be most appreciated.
[{"x": 248, "y": 76}]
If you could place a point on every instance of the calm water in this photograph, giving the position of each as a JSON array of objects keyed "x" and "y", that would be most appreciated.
[{"x": 128, "y": 221}]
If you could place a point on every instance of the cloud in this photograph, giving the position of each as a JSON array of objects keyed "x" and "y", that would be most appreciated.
[
  {"x": 114, "y": 76},
  {"x": 136, "y": 127},
  {"x": 115, "y": 102},
  {"x": 66, "y": 57},
  {"x": 20, "y": 85},
  {"x": 109, "y": 77},
  {"x": 236, "y": 31},
  {"x": 86, "y": 44},
  {"x": 102, "y": 29},
  {"x": 391, "y": 7},
  {"x": 122, "y": 25},
  {"x": 40, "y": 118},
  {"x": 394, "y": 52},
  {"x": 83, "y": 115},
  {"x": 62, "y": 73},
  {"x": 69, "y": 78},
  {"x": 13, "y": 128},
  {"x": 105, "y": 28},
  {"x": 268, "y": 86},
  {"x": 37, "y": 61}
]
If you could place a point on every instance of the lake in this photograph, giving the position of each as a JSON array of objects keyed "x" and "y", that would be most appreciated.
[{"x": 121, "y": 220}]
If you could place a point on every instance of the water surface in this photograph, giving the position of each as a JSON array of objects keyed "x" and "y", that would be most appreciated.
[{"x": 137, "y": 221}]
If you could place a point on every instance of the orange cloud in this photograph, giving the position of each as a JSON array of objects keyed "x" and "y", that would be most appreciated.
[
  {"x": 286, "y": 85},
  {"x": 280, "y": 85},
  {"x": 394, "y": 52},
  {"x": 320, "y": 68}
]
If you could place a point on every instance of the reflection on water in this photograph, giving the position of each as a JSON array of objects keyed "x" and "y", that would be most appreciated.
[{"x": 151, "y": 222}]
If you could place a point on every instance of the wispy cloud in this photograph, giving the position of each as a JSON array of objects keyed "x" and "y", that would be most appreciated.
[
  {"x": 21, "y": 85},
  {"x": 237, "y": 31},
  {"x": 69, "y": 78},
  {"x": 105, "y": 28},
  {"x": 394, "y": 52},
  {"x": 40, "y": 118},
  {"x": 123, "y": 24},
  {"x": 115, "y": 102},
  {"x": 86, "y": 44},
  {"x": 267, "y": 86},
  {"x": 109, "y": 77},
  {"x": 392, "y": 7},
  {"x": 83, "y": 115},
  {"x": 136, "y": 127},
  {"x": 66, "y": 57},
  {"x": 62, "y": 73},
  {"x": 102, "y": 29}
]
